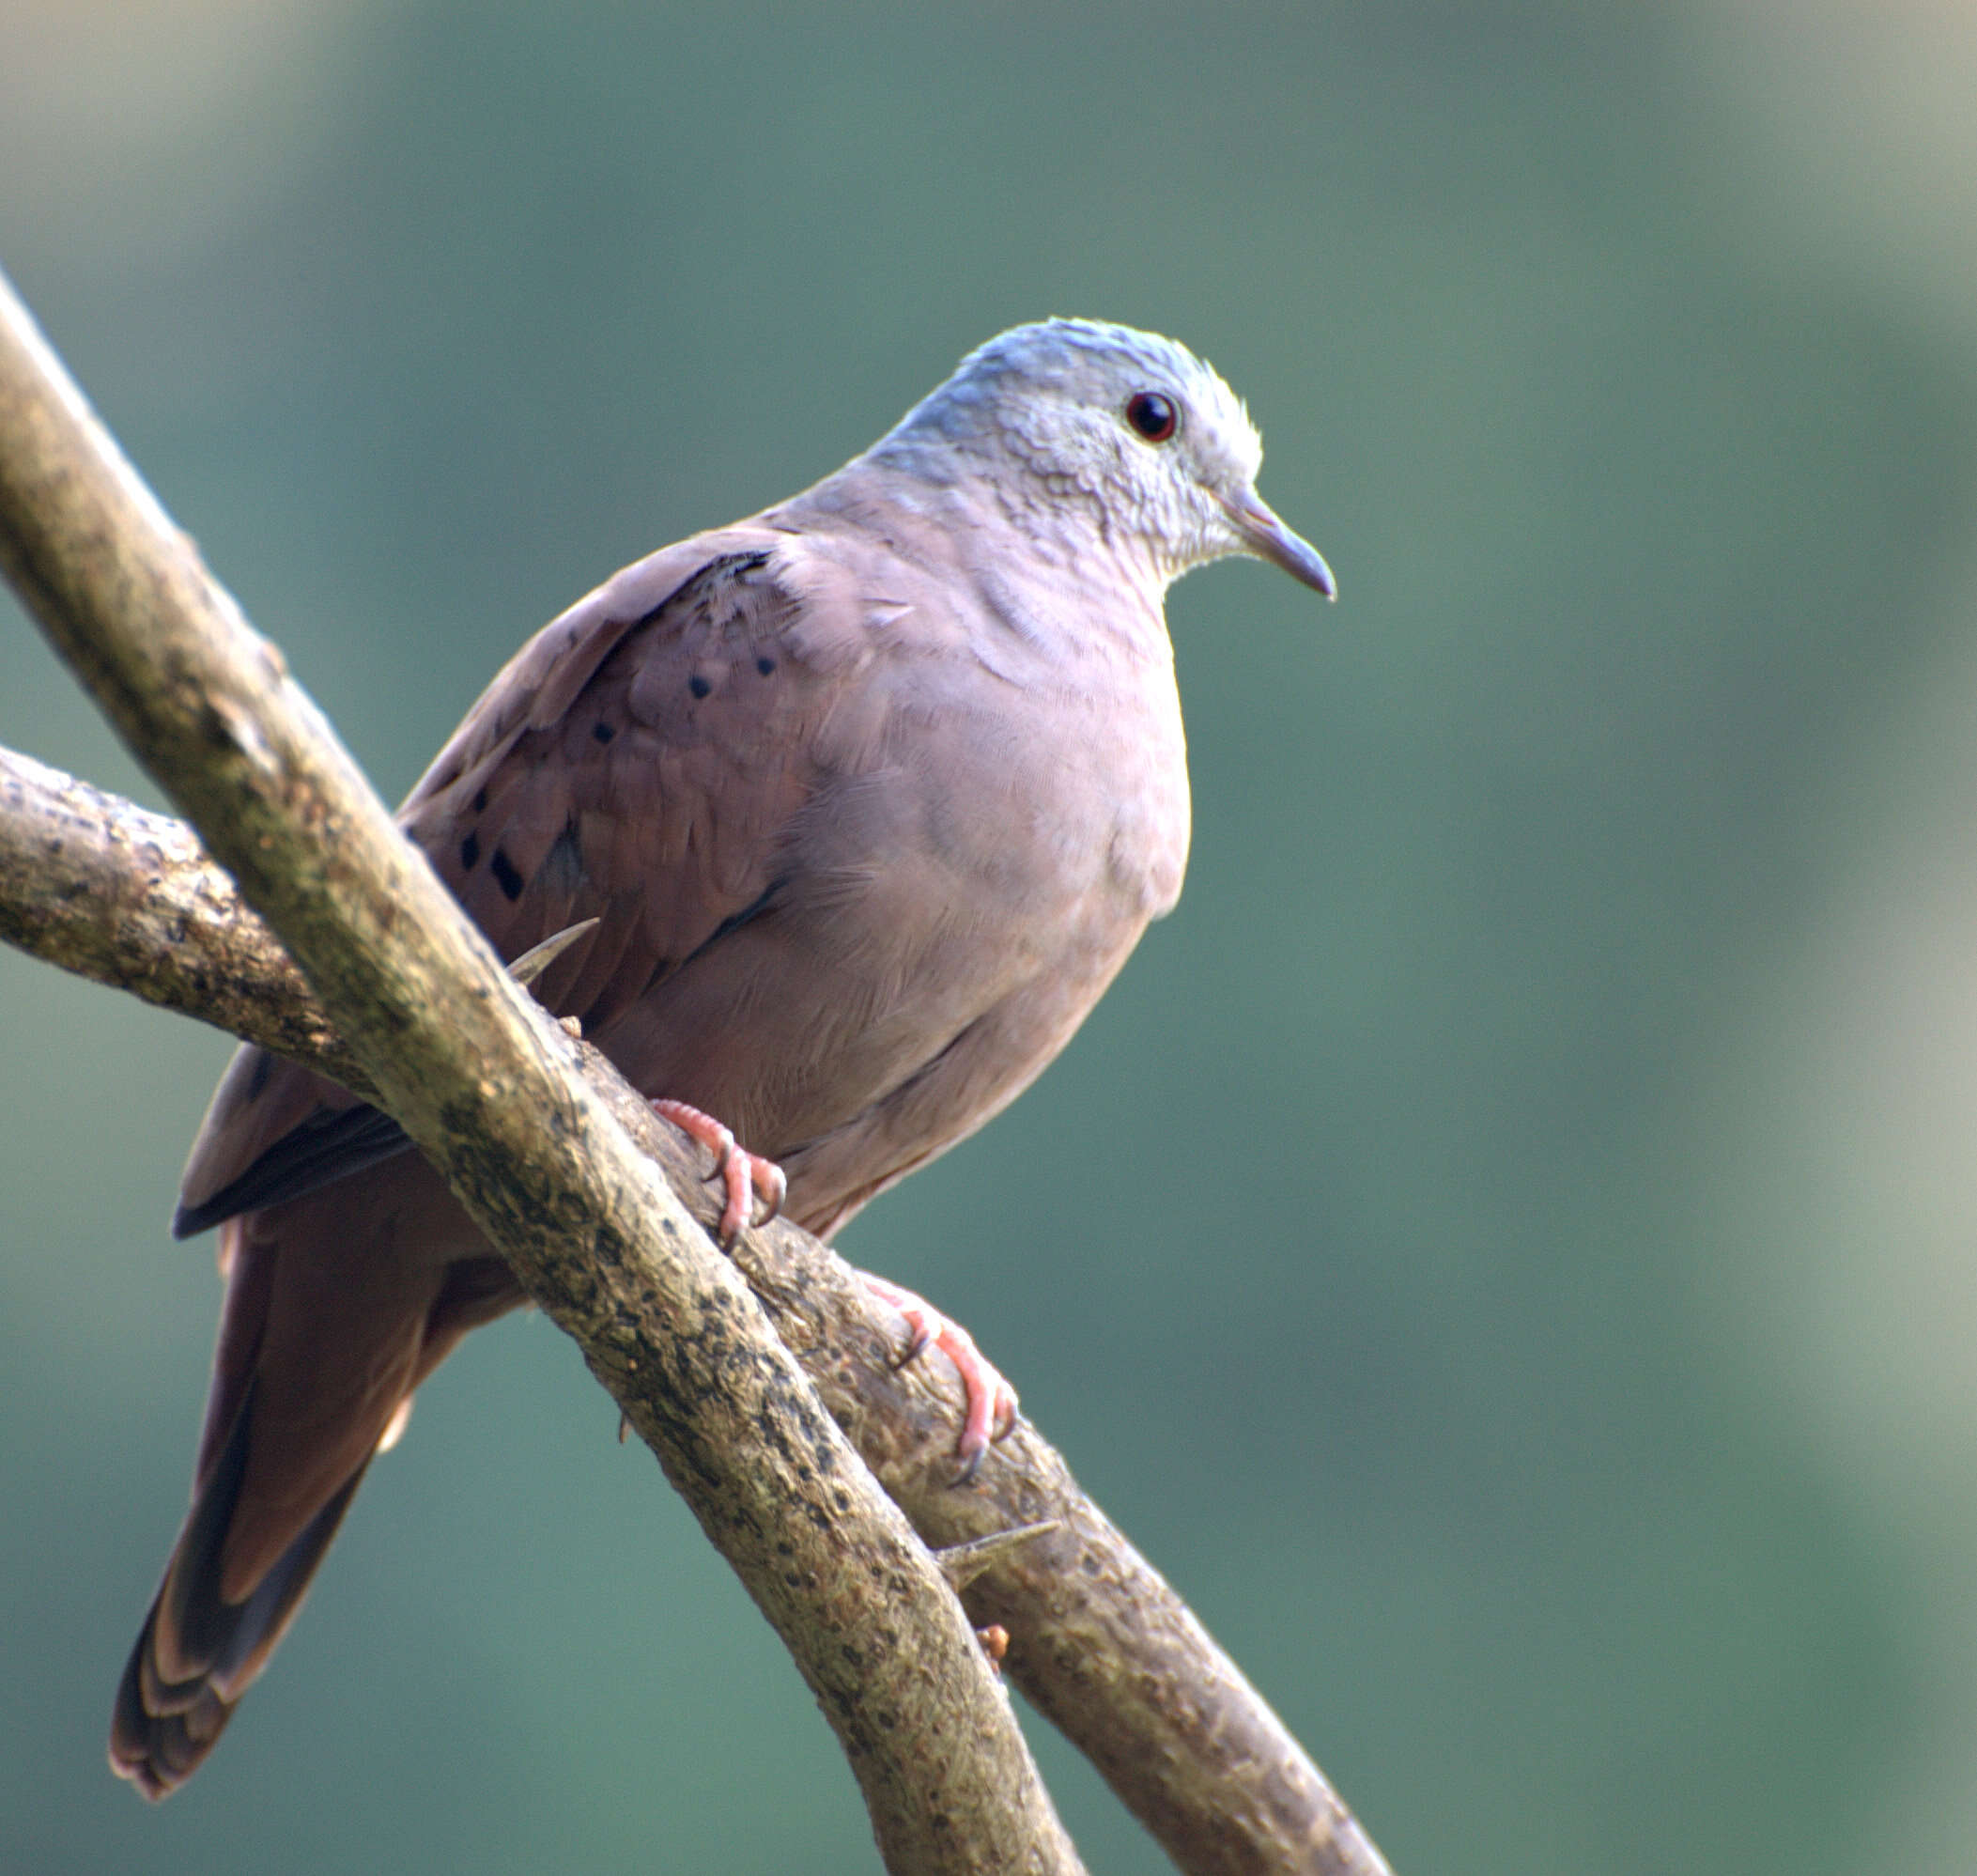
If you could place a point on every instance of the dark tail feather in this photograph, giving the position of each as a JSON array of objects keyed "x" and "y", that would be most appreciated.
[{"x": 196, "y": 1654}]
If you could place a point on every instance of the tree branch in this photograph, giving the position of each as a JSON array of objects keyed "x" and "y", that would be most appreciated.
[
  {"x": 1099, "y": 1642},
  {"x": 122, "y": 896}
]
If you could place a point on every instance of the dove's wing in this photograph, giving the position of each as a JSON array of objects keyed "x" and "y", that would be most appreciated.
[{"x": 642, "y": 762}]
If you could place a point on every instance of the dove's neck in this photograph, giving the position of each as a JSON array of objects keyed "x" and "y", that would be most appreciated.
[{"x": 1044, "y": 560}]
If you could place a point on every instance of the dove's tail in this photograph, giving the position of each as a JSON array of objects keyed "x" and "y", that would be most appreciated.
[
  {"x": 198, "y": 1651},
  {"x": 338, "y": 1305}
]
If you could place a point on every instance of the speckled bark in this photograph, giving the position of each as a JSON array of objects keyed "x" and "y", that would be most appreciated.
[
  {"x": 1098, "y": 1640},
  {"x": 484, "y": 1082}
]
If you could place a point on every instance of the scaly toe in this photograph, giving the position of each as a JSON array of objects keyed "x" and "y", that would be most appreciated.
[
  {"x": 743, "y": 1175},
  {"x": 771, "y": 1187},
  {"x": 992, "y": 1406},
  {"x": 734, "y": 1174}
]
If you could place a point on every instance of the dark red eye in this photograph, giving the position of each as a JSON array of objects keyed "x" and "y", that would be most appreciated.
[{"x": 1152, "y": 416}]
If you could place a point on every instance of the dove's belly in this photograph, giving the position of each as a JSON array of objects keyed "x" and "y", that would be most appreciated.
[{"x": 937, "y": 945}]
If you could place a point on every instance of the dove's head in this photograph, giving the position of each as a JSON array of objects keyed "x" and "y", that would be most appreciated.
[{"x": 1125, "y": 427}]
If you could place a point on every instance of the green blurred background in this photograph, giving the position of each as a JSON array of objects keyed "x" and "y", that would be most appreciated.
[{"x": 1505, "y": 1247}]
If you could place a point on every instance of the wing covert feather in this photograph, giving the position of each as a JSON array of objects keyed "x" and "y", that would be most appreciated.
[
  {"x": 658, "y": 795},
  {"x": 641, "y": 761}
]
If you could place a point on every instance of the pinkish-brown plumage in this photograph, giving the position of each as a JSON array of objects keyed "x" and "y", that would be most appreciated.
[{"x": 870, "y": 797}]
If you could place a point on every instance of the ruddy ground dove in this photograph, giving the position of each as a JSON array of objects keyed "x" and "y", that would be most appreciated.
[{"x": 870, "y": 797}]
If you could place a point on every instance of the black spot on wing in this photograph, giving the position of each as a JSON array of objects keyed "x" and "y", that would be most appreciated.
[
  {"x": 766, "y": 664},
  {"x": 698, "y": 685},
  {"x": 509, "y": 880},
  {"x": 603, "y": 731},
  {"x": 470, "y": 851}
]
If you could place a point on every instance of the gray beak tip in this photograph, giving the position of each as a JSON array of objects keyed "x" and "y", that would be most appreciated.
[{"x": 1268, "y": 539}]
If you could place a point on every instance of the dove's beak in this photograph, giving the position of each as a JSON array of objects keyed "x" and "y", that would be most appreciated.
[{"x": 1269, "y": 539}]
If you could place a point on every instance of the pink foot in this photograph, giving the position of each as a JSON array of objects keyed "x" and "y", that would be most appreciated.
[
  {"x": 992, "y": 1402},
  {"x": 745, "y": 1175}
]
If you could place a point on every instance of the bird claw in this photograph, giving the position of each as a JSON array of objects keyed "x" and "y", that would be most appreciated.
[
  {"x": 991, "y": 1404},
  {"x": 745, "y": 1176}
]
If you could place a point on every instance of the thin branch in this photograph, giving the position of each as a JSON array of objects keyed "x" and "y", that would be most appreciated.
[
  {"x": 105, "y": 889},
  {"x": 482, "y": 1079},
  {"x": 1099, "y": 1641}
]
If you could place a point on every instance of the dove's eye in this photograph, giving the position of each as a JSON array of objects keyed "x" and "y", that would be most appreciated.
[{"x": 1152, "y": 416}]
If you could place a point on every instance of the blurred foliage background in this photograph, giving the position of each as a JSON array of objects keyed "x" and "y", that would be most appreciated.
[{"x": 1506, "y": 1246}]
